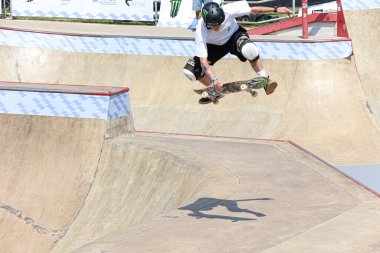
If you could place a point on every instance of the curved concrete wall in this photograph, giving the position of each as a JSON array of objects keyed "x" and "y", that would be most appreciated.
[
  {"x": 318, "y": 104},
  {"x": 136, "y": 183},
  {"x": 40, "y": 186},
  {"x": 328, "y": 106},
  {"x": 363, "y": 29}
]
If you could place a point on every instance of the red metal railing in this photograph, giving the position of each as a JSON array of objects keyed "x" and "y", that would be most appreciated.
[{"x": 341, "y": 22}]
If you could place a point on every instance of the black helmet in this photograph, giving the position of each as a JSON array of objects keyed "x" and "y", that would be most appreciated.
[{"x": 212, "y": 14}]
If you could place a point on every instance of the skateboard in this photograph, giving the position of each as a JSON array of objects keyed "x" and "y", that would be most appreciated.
[{"x": 233, "y": 87}]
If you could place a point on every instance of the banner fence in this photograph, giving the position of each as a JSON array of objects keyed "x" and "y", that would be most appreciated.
[{"x": 137, "y": 10}]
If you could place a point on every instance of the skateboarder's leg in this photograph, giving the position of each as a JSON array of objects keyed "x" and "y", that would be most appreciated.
[
  {"x": 245, "y": 50},
  {"x": 270, "y": 85},
  {"x": 258, "y": 67}
]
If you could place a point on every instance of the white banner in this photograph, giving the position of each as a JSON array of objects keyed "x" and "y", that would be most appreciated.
[
  {"x": 321, "y": 8},
  {"x": 118, "y": 9},
  {"x": 141, "y": 10},
  {"x": 47, "y": 8},
  {"x": 178, "y": 13}
]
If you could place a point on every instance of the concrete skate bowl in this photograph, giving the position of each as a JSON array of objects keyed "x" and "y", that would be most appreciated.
[
  {"x": 41, "y": 158},
  {"x": 62, "y": 180},
  {"x": 362, "y": 28},
  {"x": 324, "y": 106},
  {"x": 137, "y": 184},
  {"x": 328, "y": 106}
]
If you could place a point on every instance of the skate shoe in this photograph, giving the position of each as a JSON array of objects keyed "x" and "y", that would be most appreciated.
[
  {"x": 258, "y": 82},
  {"x": 204, "y": 101},
  {"x": 270, "y": 86},
  {"x": 263, "y": 82}
]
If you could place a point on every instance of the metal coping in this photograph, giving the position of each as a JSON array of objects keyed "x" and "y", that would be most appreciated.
[
  {"x": 255, "y": 38},
  {"x": 63, "y": 88}
]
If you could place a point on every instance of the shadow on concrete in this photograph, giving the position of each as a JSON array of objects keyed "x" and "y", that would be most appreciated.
[{"x": 208, "y": 204}]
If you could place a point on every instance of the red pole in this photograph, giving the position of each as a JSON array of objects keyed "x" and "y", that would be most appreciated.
[
  {"x": 341, "y": 22},
  {"x": 305, "y": 24}
]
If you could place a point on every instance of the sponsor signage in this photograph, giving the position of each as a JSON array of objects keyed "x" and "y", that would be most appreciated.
[
  {"x": 118, "y": 9},
  {"x": 322, "y": 8}
]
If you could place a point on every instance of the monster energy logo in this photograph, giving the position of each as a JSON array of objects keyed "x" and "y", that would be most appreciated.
[
  {"x": 175, "y": 4},
  {"x": 204, "y": 13}
]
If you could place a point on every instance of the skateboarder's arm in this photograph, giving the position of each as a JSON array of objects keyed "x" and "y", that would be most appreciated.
[
  {"x": 209, "y": 73},
  {"x": 206, "y": 68},
  {"x": 263, "y": 9}
]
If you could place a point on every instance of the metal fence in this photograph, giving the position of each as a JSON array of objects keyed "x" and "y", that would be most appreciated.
[
  {"x": 250, "y": 19},
  {"x": 6, "y": 8}
]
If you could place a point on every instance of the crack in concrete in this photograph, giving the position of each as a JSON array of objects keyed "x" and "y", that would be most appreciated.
[{"x": 39, "y": 228}]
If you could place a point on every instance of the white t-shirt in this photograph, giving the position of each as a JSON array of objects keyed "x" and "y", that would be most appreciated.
[{"x": 227, "y": 28}]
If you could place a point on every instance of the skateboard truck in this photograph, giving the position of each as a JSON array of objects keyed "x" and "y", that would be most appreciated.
[
  {"x": 212, "y": 93},
  {"x": 247, "y": 89}
]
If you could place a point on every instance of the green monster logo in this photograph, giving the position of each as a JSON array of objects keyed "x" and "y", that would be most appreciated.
[
  {"x": 204, "y": 14},
  {"x": 175, "y": 4}
]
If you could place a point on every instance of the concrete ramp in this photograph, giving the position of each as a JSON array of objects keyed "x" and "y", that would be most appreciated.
[
  {"x": 49, "y": 159},
  {"x": 362, "y": 25},
  {"x": 163, "y": 193},
  {"x": 88, "y": 185},
  {"x": 200, "y": 194},
  {"x": 339, "y": 100},
  {"x": 47, "y": 168},
  {"x": 139, "y": 181},
  {"x": 328, "y": 99},
  {"x": 322, "y": 105}
]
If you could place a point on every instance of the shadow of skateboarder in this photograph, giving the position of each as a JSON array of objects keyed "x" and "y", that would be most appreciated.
[{"x": 208, "y": 204}]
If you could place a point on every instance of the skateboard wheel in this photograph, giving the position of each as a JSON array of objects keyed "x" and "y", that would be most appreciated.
[
  {"x": 254, "y": 94},
  {"x": 205, "y": 95},
  {"x": 216, "y": 101},
  {"x": 243, "y": 87}
]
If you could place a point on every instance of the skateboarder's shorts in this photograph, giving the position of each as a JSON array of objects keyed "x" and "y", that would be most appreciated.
[{"x": 217, "y": 52}]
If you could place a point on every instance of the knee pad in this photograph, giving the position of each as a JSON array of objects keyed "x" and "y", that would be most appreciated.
[
  {"x": 189, "y": 74},
  {"x": 192, "y": 69},
  {"x": 247, "y": 48},
  {"x": 250, "y": 51}
]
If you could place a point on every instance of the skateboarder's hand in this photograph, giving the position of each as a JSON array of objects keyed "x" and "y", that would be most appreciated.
[{"x": 218, "y": 84}]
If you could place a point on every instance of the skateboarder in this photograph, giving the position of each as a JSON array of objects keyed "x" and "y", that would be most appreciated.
[{"x": 218, "y": 34}]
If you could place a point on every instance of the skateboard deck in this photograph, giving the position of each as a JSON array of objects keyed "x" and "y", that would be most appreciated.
[{"x": 233, "y": 87}]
